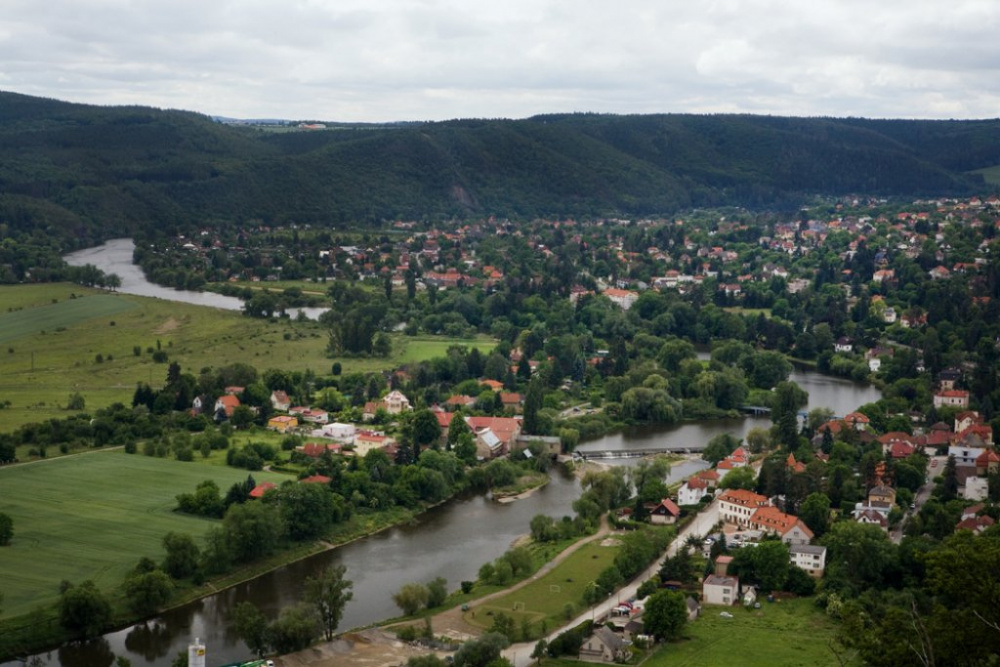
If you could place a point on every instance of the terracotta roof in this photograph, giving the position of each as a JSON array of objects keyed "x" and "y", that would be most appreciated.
[
  {"x": 316, "y": 479},
  {"x": 771, "y": 518},
  {"x": 261, "y": 489},
  {"x": 743, "y": 497}
]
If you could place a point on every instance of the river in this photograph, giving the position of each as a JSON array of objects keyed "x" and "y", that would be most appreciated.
[
  {"x": 451, "y": 541},
  {"x": 839, "y": 394},
  {"x": 115, "y": 256}
]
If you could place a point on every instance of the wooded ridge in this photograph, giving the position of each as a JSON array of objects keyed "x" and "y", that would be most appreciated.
[{"x": 81, "y": 172}]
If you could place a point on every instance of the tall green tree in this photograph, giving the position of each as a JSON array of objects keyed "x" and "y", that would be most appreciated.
[
  {"x": 665, "y": 615},
  {"x": 329, "y": 593}
]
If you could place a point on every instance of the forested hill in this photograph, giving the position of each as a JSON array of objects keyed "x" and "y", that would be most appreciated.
[{"x": 82, "y": 172}]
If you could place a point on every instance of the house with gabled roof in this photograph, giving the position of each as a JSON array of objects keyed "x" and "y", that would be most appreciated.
[
  {"x": 790, "y": 528},
  {"x": 667, "y": 512},
  {"x": 280, "y": 401},
  {"x": 604, "y": 646},
  {"x": 738, "y": 505}
]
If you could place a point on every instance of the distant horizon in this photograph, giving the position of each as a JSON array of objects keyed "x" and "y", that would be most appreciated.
[{"x": 316, "y": 119}]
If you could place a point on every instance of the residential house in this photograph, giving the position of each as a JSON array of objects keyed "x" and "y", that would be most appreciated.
[
  {"x": 226, "y": 404},
  {"x": 280, "y": 401},
  {"x": 339, "y": 431},
  {"x": 604, "y": 646},
  {"x": 624, "y": 299},
  {"x": 317, "y": 449},
  {"x": 843, "y": 344},
  {"x": 951, "y": 398},
  {"x": 693, "y": 607},
  {"x": 873, "y": 517},
  {"x": 282, "y": 423},
  {"x": 505, "y": 429},
  {"x": 977, "y": 524},
  {"x": 667, "y": 512},
  {"x": 882, "y": 493},
  {"x": 790, "y": 528},
  {"x": 395, "y": 402},
  {"x": 692, "y": 491},
  {"x": 988, "y": 463},
  {"x": 975, "y": 488},
  {"x": 365, "y": 441},
  {"x": 857, "y": 420},
  {"x": 722, "y": 590},
  {"x": 810, "y": 558},
  {"x": 262, "y": 488},
  {"x": 948, "y": 377},
  {"x": 738, "y": 505}
]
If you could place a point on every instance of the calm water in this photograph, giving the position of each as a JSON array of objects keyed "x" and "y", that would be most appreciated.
[
  {"x": 840, "y": 395},
  {"x": 451, "y": 541},
  {"x": 115, "y": 256}
]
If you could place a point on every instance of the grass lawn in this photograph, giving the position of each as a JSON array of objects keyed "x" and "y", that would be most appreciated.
[
  {"x": 92, "y": 516},
  {"x": 50, "y": 349},
  {"x": 546, "y": 597},
  {"x": 780, "y": 634}
]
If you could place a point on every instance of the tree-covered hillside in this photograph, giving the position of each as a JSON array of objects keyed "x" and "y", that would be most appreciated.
[{"x": 77, "y": 173}]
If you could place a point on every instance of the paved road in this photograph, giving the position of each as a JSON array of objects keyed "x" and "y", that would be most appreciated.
[
  {"x": 520, "y": 654},
  {"x": 921, "y": 496}
]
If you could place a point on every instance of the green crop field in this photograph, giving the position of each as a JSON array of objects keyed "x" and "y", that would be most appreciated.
[
  {"x": 546, "y": 597},
  {"x": 92, "y": 516},
  {"x": 92, "y": 351},
  {"x": 59, "y": 315},
  {"x": 780, "y": 634}
]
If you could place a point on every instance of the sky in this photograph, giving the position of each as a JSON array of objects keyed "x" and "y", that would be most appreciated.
[{"x": 389, "y": 60}]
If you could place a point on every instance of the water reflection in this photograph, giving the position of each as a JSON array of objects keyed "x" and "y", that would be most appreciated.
[
  {"x": 151, "y": 640},
  {"x": 91, "y": 653}
]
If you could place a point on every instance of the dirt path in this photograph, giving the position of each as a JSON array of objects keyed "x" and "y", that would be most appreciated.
[{"x": 452, "y": 623}]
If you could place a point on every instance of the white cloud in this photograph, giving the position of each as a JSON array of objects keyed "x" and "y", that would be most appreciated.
[{"x": 437, "y": 59}]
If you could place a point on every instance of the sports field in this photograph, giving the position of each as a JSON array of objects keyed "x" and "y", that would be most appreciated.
[
  {"x": 92, "y": 516},
  {"x": 546, "y": 597}
]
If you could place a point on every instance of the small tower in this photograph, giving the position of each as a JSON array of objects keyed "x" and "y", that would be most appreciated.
[{"x": 196, "y": 654}]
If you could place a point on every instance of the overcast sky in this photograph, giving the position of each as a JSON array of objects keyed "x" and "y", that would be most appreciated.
[{"x": 383, "y": 60}]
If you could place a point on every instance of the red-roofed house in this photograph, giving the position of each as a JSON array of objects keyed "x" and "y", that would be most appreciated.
[
  {"x": 988, "y": 462},
  {"x": 857, "y": 420},
  {"x": 692, "y": 491},
  {"x": 317, "y": 449},
  {"x": 316, "y": 479},
  {"x": 262, "y": 488},
  {"x": 624, "y": 299},
  {"x": 665, "y": 513},
  {"x": 772, "y": 520},
  {"x": 366, "y": 441},
  {"x": 280, "y": 400},
  {"x": 951, "y": 398},
  {"x": 793, "y": 465},
  {"x": 505, "y": 429},
  {"x": 976, "y": 525},
  {"x": 227, "y": 404},
  {"x": 738, "y": 505},
  {"x": 459, "y": 400}
]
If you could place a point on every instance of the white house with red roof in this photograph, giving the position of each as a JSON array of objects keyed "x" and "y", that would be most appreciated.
[
  {"x": 738, "y": 505},
  {"x": 622, "y": 298},
  {"x": 790, "y": 528},
  {"x": 692, "y": 491},
  {"x": 951, "y": 398}
]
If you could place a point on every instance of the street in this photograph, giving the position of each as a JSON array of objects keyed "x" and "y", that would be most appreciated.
[
  {"x": 520, "y": 654},
  {"x": 921, "y": 496}
]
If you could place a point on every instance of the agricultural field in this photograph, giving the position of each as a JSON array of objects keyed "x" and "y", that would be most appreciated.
[
  {"x": 990, "y": 174},
  {"x": 787, "y": 633},
  {"x": 92, "y": 516},
  {"x": 61, "y": 339},
  {"x": 546, "y": 598}
]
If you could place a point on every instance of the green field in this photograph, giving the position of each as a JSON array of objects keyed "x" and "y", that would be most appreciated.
[
  {"x": 546, "y": 597},
  {"x": 92, "y": 516},
  {"x": 990, "y": 174},
  {"x": 51, "y": 344},
  {"x": 781, "y": 634}
]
